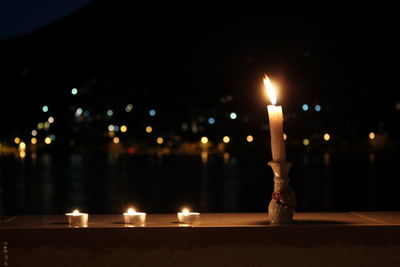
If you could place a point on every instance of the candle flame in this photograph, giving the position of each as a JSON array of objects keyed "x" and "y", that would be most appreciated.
[
  {"x": 271, "y": 92},
  {"x": 185, "y": 211},
  {"x": 131, "y": 211},
  {"x": 75, "y": 212}
]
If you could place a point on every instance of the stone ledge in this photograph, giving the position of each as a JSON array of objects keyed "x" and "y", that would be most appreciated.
[
  {"x": 213, "y": 220},
  {"x": 332, "y": 239}
]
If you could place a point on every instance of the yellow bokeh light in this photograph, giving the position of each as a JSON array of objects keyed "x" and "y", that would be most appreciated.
[
  {"x": 160, "y": 140},
  {"x": 33, "y": 140},
  {"x": 204, "y": 140},
  {"x": 22, "y": 154},
  {"x": 123, "y": 128},
  {"x": 372, "y": 135},
  {"x": 249, "y": 138},
  {"x": 111, "y": 133},
  {"x": 226, "y": 139},
  {"x": 22, "y": 146},
  {"x": 284, "y": 136},
  {"x": 116, "y": 140},
  {"x": 327, "y": 137},
  {"x": 40, "y": 125},
  {"x": 17, "y": 140},
  {"x": 149, "y": 129},
  {"x": 306, "y": 142},
  {"x": 47, "y": 140}
]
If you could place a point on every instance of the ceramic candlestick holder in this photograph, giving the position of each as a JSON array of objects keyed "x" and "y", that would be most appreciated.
[{"x": 283, "y": 202}]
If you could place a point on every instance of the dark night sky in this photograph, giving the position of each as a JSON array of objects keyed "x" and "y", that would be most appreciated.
[
  {"x": 199, "y": 51},
  {"x": 22, "y": 16}
]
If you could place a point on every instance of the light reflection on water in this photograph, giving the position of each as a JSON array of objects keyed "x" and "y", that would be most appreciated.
[{"x": 160, "y": 183}]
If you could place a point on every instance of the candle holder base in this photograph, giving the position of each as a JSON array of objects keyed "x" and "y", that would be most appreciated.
[
  {"x": 279, "y": 213},
  {"x": 283, "y": 202}
]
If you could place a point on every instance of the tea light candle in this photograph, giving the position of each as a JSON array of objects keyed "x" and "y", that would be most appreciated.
[
  {"x": 188, "y": 217},
  {"x": 134, "y": 218},
  {"x": 77, "y": 219}
]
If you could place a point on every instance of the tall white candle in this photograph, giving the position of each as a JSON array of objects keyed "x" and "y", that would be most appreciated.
[{"x": 275, "y": 124}]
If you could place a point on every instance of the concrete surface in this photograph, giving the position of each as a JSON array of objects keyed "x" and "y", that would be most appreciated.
[{"x": 231, "y": 239}]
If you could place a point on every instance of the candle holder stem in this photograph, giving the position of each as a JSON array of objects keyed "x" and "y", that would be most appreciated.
[{"x": 283, "y": 202}]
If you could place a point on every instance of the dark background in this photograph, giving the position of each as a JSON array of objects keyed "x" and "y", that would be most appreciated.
[
  {"x": 195, "y": 52},
  {"x": 192, "y": 60}
]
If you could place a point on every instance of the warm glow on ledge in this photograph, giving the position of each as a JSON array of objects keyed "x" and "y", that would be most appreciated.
[
  {"x": 204, "y": 140},
  {"x": 17, "y": 140},
  {"x": 271, "y": 92},
  {"x": 33, "y": 141},
  {"x": 249, "y": 138},
  {"x": 327, "y": 137}
]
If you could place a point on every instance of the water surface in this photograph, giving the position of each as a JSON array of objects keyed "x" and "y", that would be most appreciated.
[{"x": 104, "y": 183}]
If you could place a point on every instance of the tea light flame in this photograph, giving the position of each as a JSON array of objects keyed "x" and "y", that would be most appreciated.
[
  {"x": 76, "y": 212},
  {"x": 131, "y": 211},
  {"x": 185, "y": 211},
  {"x": 271, "y": 92}
]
